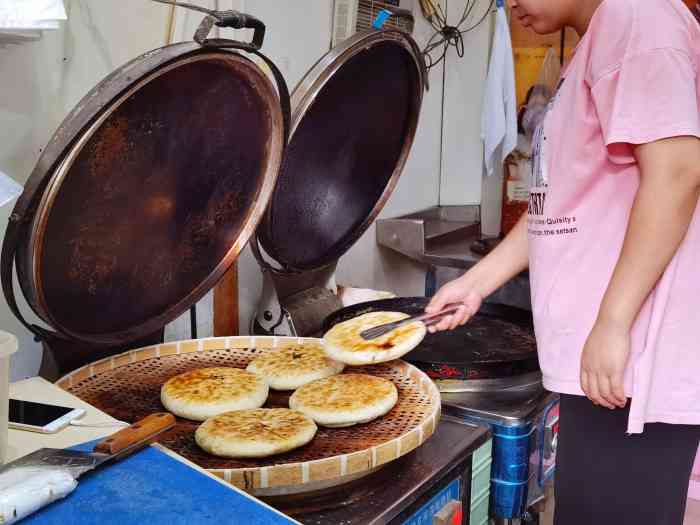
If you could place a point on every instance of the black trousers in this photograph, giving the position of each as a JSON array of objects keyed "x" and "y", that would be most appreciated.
[{"x": 606, "y": 477}]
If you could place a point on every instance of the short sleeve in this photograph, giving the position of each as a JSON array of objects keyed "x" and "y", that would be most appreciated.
[{"x": 650, "y": 96}]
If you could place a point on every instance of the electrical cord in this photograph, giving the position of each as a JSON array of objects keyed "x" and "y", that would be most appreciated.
[{"x": 448, "y": 35}]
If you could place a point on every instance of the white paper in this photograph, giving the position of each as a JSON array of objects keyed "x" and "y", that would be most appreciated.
[
  {"x": 31, "y": 14},
  {"x": 9, "y": 189}
]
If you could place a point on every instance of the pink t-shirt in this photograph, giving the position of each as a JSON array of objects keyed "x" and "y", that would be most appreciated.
[{"x": 633, "y": 79}]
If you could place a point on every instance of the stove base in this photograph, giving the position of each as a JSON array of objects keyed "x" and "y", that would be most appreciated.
[
  {"x": 530, "y": 520},
  {"x": 524, "y": 424},
  {"x": 408, "y": 491}
]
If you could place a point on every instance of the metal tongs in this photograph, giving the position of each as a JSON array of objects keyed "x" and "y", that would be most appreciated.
[{"x": 426, "y": 318}]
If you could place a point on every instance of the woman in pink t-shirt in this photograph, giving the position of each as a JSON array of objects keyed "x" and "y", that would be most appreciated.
[{"x": 612, "y": 242}]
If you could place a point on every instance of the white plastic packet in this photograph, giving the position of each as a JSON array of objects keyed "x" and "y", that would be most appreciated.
[
  {"x": 350, "y": 296},
  {"x": 9, "y": 189},
  {"x": 31, "y": 14},
  {"x": 23, "y": 491}
]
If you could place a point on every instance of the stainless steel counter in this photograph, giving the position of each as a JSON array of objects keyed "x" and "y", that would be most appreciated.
[
  {"x": 441, "y": 238},
  {"x": 438, "y": 236},
  {"x": 453, "y": 253}
]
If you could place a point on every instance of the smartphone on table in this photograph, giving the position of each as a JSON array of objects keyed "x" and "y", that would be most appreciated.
[{"x": 40, "y": 417}]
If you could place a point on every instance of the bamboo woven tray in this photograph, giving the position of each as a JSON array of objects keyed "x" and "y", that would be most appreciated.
[{"x": 127, "y": 387}]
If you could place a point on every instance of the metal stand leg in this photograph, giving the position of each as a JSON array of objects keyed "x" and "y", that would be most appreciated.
[{"x": 529, "y": 518}]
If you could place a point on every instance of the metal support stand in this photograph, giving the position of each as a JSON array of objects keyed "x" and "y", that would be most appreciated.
[{"x": 530, "y": 518}]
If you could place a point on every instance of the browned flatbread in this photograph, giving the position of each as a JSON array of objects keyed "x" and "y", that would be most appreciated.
[
  {"x": 291, "y": 367},
  {"x": 206, "y": 392},
  {"x": 344, "y": 343},
  {"x": 255, "y": 433},
  {"x": 345, "y": 399}
]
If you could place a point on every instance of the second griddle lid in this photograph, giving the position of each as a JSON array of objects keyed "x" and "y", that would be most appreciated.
[{"x": 354, "y": 117}]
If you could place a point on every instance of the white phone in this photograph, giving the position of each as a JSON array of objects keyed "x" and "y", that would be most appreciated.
[{"x": 39, "y": 417}]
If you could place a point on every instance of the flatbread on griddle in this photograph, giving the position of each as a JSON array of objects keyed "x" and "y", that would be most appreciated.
[
  {"x": 255, "y": 433},
  {"x": 207, "y": 392},
  {"x": 290, "y": 367},
  {"x": 345, "y": 399},
  {"x": 344, "y": 343}
]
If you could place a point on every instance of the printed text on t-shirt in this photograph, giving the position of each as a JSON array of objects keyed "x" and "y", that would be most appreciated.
[{"x": 549, "y": 226}]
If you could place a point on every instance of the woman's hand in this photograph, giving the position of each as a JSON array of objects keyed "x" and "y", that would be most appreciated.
[
  {"x": 458, "y": 291},
  {"x": 603, "y": 364},
  {"x": 506, "y": 261}
]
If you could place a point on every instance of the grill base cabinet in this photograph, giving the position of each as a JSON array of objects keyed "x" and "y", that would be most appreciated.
[
  {"x": 443, "y": 482},
  {"x": 524, "y": 438}
]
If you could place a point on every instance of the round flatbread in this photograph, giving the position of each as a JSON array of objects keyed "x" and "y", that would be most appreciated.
[
  {"x": 344, "y": 343},
  {"x": 345, "y": 400},
  {"x": 207, "y": 392},
  {"x": 255, "y": 433},
  {"x": 290, "y": 367}
]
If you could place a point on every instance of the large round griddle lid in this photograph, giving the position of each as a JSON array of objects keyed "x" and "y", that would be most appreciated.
[
  {"x": 149, "y": 189},
  {"x": 497, "y": 342},
  {"x": 354, "y": 117}
]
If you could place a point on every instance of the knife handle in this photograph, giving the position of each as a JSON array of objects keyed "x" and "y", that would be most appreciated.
[{"x": 139, "y": 433}]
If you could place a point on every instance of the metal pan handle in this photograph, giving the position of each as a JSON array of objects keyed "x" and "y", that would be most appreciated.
[
  {"x": 7, "y": 262},
  {"x": 235, "y": 20},
  {"x": 232, "y": 19},
  {"x": 238, "y": 20},
  {"x": 406, "y": 14},
  {"x": 388, "y": 11}
]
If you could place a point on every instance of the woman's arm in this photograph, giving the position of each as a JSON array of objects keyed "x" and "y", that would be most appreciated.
[
  {"x": 662, "y": 212},
  {"x": 506, "y": 261}
]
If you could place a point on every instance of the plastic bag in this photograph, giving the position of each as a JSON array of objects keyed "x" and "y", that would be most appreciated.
[{"x": 540, "y": 94}]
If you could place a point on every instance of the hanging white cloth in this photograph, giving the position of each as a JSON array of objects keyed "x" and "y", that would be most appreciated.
[{"x": 499, "y": 120}]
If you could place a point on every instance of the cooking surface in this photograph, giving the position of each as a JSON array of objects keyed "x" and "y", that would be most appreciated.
[
  {"x": 131, "y": 390},
  {"x": 482, "y": 340},
  {"x": 344, "y": 150},
  {"x": 497, "y": 335},
  {"x": 380, "y": 497}
]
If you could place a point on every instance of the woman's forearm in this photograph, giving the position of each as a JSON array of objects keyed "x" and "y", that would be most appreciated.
[
  {"x": 506, "y": 261},
  {"x": 659, "y": 220}
]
